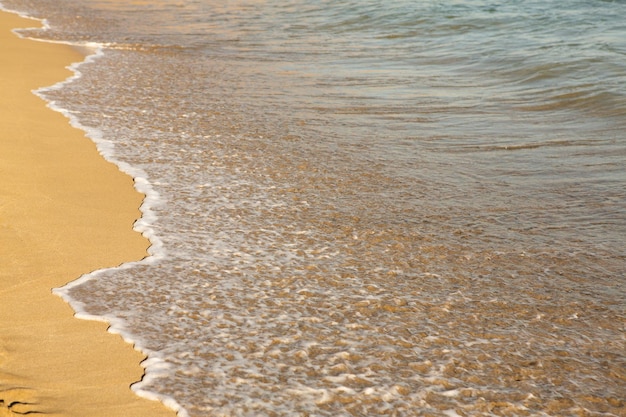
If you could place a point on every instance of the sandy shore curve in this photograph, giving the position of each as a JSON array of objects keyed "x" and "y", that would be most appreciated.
[{"x": 64, "y": 212}]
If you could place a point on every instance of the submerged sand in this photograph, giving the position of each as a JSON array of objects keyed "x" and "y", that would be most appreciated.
[{"x": 64, "y": 211}]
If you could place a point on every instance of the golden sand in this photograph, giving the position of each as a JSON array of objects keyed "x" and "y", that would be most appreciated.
[{"x": 64, "y": 211}]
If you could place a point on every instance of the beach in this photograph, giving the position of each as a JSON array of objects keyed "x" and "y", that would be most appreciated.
[
  {"x": 353, "y": 208},
  {"x": 64, "y": 212}
]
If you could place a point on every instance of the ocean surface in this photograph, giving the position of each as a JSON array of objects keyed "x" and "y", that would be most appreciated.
[{"x": 362, "y": 208}]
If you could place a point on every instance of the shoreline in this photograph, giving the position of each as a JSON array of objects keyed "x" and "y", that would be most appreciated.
[{"x": 64, "y": 212}]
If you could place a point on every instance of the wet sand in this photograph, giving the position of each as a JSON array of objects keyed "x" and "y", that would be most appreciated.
[{"x": 64, "y": 211}]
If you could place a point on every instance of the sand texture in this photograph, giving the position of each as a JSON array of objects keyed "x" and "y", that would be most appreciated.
[{"x": 64, "y": 211}]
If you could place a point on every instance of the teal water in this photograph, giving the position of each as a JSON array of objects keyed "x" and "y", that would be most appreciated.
[{"x": 360, "y": 208}]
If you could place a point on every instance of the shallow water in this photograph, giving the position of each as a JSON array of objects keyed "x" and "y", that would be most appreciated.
[{"x": 364, "y": 209}]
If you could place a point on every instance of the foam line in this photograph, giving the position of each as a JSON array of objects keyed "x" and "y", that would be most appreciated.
[{"x": 154, "y": 366}]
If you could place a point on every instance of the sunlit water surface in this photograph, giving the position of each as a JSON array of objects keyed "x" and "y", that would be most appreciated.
[{"x": 365, "y": 208}]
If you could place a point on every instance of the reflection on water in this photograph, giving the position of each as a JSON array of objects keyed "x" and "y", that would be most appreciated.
[{"x": 368, "y": 209}]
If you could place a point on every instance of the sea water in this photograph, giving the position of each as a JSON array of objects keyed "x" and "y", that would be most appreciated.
[{"x": 362, "y": 207}]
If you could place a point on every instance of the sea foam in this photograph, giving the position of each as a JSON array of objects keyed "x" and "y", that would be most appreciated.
[{"x": 154, "y": 366}]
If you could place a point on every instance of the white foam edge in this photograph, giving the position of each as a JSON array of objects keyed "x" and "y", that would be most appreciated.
[
  {"x": 44, "y": 22},
  {"x": 154, "y": 366},
  {"x": 45, "y": 26}
]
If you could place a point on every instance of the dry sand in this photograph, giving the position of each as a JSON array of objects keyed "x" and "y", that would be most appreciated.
[{"x": 64, "y": 211}]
